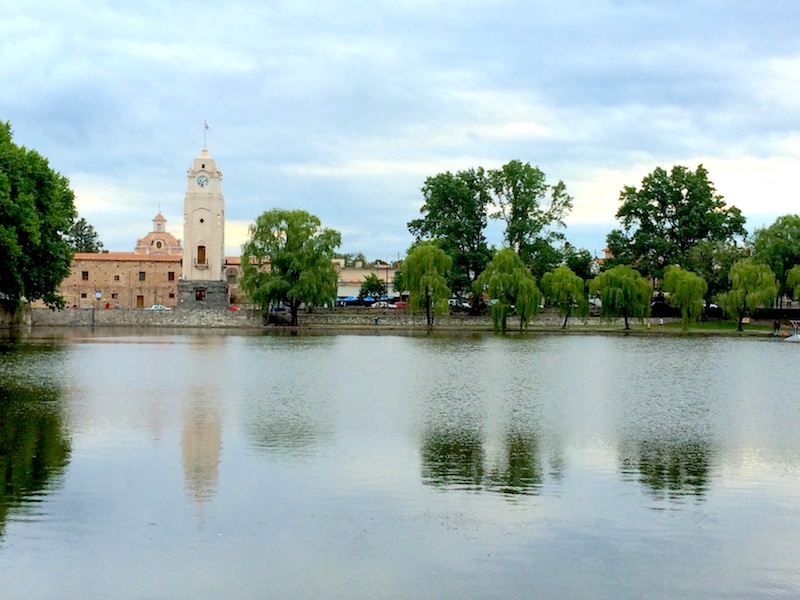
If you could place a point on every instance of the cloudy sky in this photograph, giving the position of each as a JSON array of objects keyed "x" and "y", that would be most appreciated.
[{"x": 344, "y": 108}]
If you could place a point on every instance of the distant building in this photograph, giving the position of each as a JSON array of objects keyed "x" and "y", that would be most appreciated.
[{"x": 195, "y": 274}]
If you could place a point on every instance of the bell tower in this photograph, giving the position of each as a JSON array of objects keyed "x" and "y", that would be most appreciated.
[{"x": 201, "y": 284}]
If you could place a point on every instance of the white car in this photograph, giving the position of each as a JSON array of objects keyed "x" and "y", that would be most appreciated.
[{"x": 158, "y": 307}]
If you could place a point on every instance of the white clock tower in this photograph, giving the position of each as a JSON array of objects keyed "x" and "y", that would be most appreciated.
[{"x": 201, "y": 284}]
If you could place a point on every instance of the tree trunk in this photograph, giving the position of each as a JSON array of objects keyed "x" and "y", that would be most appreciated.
[
  {"x": 428, "y": 315},
  {"x": 566, "y": 318},
  {"x": 294, "y": 307},
  {"x": 625, "y": 314}
]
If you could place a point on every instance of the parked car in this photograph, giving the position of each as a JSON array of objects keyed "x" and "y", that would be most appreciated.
[
  {"x": 401, "y": 304},
  {"x": 383, "y": 304},
  {"x": 158, "y": 307}
]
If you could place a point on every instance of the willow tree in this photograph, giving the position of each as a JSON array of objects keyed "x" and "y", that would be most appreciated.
[
  {"x": 510, "y": 284},
  {"x": 753, "y": 284},
  {"x": 779, "y": 247},
  {"x": 424, "y": 275},
  {"x": 793, "y": 281},
  {"x": 686, "y": 291},
  {"x": 567, "y": 291},
  {"x": 623, "y": 293},
  {"x": 287, "y": 259}
]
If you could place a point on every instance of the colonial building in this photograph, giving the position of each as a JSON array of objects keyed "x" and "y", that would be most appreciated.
[{"x": 148, "y": 275}]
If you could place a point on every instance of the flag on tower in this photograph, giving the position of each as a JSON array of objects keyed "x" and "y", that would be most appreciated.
[{"x": 204, "y": 123}]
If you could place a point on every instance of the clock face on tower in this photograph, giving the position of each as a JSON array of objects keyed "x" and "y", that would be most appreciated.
[{"x": 202, "y": 180}]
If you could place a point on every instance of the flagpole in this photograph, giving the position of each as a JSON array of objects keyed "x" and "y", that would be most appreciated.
[{"x": 205, "y": 130}]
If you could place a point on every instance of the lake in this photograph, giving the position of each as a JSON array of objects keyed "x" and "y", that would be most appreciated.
[{"x": 181, "y": 464}]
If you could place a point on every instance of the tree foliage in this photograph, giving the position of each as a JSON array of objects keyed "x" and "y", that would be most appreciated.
[
  {"x": 455, "y": 215},
  {"x": 753, "y": 284},
  {"x": 667, "y": 216},
  {"x": 372, "y": 286},
  {"x": 580, "y": 261},
  {"x": 36, "y": 212},
  {"x": 623, "y": 292},
  {"x": 531, "y": 209},
  {"x": 509, "y": 283},
  {"x": 793, "y": 281},
  {"x": 424, "y": 275},
  {"x": 779, "y": 247},
  {"x": 687, "y": 291},
  {"x": 712, "y": 261},
  {"x": 298, "y": 252},
  {"x": 83, "y": 238},
  {"x": 563, "y": 288}
]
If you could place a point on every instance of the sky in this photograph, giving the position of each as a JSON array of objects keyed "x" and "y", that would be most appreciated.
[{"x": 343, "y": 109}]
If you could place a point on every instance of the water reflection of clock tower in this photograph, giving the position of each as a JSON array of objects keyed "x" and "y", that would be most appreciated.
[{"x": 202, "y": 285}]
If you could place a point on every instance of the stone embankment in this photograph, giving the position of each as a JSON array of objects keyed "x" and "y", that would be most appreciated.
[{"x": 336, "y": 318}]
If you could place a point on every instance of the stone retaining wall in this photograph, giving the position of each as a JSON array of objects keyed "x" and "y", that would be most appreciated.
[{"x": 340, "y": 317}]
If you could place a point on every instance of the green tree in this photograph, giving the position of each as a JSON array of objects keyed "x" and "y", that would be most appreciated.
[
  {"x": 454, "y": 214},
  {"x": 779, "y": 247},
  {"x": 36, "y": 212},
  {"x": 687, "y": 291},
  {"x": 424, "y": 275},
  {"x": 34, "y": 442},
  {"x": 531, "y": 209},
  {"x": 712, "y": 260},
  {"x": 567, "y": 291},
  {"x": 372, "y": 286},
  {"x": 667, "y": 216},
  {"x": 623, "y": 292},
  {"x": 509, "y": 283},
  {"x": 753, "y": 285},
  {"x": 793, "y": 281},
  {"x": 83, "y": 238},
  {"x": 580, "y": 261},
  {"x": 287, "y": 259}
]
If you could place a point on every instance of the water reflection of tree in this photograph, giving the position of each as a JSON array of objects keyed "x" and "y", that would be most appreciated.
[
  {"x": 453, "y": 457},
  {"x": 669, "y": 468},
  {"x": 522, "y": 470},
  {"x": 456, "y": 458},
  {"x": 34, "y": 447}
]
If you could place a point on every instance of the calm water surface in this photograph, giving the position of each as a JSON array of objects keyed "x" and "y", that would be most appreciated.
[{"x": 247, "y": 466}]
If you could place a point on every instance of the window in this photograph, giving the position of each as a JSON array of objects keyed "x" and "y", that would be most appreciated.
[
  {"x": 116, "y": 277},
  {"x": 158, "y": 244},
  {"x": 200, "y": 294},
  {"x": 172, "y": 294},
  {"x": 83, "y": 294},
  {"x": 113, "y": 295},
  {"x": 231, "y": 276},
  {"x": 171, "y": 276},
  {"x": 141, "y": 275},
  {"x": 84, "y": 275},
  {"x": 201, "y": 255}
]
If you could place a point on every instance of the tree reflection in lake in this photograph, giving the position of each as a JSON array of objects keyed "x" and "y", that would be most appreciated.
[
  {"x": 34, "y": 446},
  {"x": 668, "y": 468},
  {"x": 453, "y": 458},
  {"x": 457, "y": 458}
]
